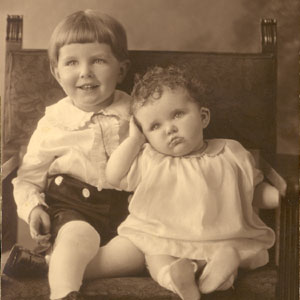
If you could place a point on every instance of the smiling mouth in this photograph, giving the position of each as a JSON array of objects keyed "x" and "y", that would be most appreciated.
[
  {"x": 175, "y": 141},
  {"x": 88, "y": 87}
]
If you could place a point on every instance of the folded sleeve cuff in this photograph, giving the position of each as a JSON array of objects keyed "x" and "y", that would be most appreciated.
[{"x": 34, "y": 199}]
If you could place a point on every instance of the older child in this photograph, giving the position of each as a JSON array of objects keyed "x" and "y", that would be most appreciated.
[
  {"x": 191, "y": 211},
  {"x": 60, "y": 188}
]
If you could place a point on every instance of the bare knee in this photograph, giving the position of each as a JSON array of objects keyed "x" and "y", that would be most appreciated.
[
  {"x": 78, "y": 233},
  {"x": 120, "y": 257}
]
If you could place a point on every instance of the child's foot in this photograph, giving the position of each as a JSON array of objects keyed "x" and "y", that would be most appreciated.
[
  {"x": 22, "y": 262},
  {"x": 73, "y": 296},
  {"x": 78, "y": 296},
  {"x": 182, "y": 274},
  {"x": 220, "y": 271},
  {"x": 228, "y": 283}
]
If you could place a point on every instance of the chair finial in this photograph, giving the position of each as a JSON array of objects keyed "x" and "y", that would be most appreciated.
[{"x": 269, "y": 35}]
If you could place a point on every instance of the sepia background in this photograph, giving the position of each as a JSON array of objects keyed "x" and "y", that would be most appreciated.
[{"x": 187, "y": 25}]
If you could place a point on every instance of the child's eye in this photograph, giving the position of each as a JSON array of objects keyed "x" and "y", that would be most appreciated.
[
  {"x": 178, "y": 114},
  {"x": 154, "y": 127},
  {"x": 71, "y": 63},
  {"x": 99, "y": 61}
]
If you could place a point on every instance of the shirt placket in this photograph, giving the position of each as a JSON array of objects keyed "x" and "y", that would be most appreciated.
[{"x": 106, "y": 139}]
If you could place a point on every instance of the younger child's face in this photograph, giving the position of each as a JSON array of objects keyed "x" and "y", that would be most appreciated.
[
  {"x": 89, "y": 73},
  {"x": 174, "y": 124}
]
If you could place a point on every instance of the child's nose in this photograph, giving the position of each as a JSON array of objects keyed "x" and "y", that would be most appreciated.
[
  {"x": 86, "y": 71},
  {"x": 171, "y": 128}
]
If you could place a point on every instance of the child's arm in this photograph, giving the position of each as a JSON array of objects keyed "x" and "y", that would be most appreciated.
[
  {"x": 121, "y": 159},
  {"x": 31, "y": 181},
  {"x": 266, "y": 196}
]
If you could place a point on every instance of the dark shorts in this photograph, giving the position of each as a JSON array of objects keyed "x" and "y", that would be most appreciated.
[{"x": 70, "y": 199}]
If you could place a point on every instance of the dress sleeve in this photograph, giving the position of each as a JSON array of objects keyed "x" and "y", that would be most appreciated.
[
  {"x": 32, "y": 174},
  {"x": 246, "y": 159},
  {"x": 258, "y": 176}
]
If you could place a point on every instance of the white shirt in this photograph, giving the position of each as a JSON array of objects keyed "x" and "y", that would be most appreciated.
[
  {"x": 190, "y": 206},
  {"x": 70, "y": 141}
]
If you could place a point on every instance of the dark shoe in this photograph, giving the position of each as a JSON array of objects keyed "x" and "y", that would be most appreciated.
[
  {"x": 22, "y": 262},
  {"x": 73, "y": 296}
]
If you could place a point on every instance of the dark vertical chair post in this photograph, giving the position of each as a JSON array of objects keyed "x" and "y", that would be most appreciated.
[
  {"x": 269, "y": 35},
  {"x": 288, "y": 279},
  {"x": 14, "y": 32},
  {"x": 14, "y": 37},
  {"x": 288, "y": 282}
]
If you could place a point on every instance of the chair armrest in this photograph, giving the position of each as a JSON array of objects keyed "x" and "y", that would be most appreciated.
[
  {"x": 271, "y": 175},
  {"x": 268, "y": 193},
  {"x": 288, "y": 282}
]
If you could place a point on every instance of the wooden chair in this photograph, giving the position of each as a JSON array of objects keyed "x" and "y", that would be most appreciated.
[{"x": 243, "y": 97}]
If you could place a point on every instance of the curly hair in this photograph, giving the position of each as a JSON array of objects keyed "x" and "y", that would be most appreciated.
[{"x": 150, "y": 86}]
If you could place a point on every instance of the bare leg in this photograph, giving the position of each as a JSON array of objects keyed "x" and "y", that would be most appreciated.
[
  {"x": 220, "y": 271},
  {"x": 116, "y": 259}
]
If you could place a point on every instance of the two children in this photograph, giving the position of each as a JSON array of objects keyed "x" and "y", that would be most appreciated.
[
  {"x": 187, "y": 189},
  {"x": 60, "y": 188},
  {"x": 191, "y": 212}
]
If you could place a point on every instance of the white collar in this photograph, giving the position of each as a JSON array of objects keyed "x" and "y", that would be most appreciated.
[
  {"x": 214, "y": 147},
  {"x": 67, "y": 116}
]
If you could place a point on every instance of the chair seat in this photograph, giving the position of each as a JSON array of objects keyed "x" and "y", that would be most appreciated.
[{"x": 253, "y": 285}]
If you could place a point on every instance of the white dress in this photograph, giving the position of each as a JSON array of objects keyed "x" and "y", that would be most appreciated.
[{"x": 191, "y": 206}]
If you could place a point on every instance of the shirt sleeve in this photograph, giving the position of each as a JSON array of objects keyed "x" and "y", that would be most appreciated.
[{"x": 32, "y": 174}]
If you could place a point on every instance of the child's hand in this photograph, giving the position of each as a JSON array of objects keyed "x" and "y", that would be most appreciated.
[
  {"x": 39, "y": 226},
  {"x": 135, "y": 132}
]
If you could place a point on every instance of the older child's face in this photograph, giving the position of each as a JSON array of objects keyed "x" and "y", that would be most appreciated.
[
  {"x": 89, "y": 73},
  {"x": 174, "y": 124}
]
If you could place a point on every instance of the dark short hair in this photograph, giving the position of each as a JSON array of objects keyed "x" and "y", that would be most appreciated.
[
  {"x": 152, "y": 83},
  {"x": 88, "y": 26}
]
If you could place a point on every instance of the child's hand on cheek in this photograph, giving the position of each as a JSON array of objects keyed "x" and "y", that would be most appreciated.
[{"x": 135, "y": 132}]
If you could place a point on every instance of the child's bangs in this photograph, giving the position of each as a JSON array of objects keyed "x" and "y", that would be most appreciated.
[
  {"x": 88, "y": 27},
  {"x": 86, "y": 32}
]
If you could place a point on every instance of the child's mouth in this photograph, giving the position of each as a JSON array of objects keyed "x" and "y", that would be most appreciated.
[
  {"x": 88, "y": 87},
  {"x": 175, "y": 141}
]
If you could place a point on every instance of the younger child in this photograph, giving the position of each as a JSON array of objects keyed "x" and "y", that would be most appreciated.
[
  {"x": 60, "y": 188},
  {"x": 191, "y": 212}
]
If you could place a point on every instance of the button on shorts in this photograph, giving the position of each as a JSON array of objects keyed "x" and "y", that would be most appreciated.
[{"x": 70, "y": 199}]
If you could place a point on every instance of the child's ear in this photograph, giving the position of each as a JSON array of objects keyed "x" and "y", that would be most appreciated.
[
  {"x": 124, "y": 67},
  {"x": 55, "y": 73},
  {"x": 205, "y": 116}
]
